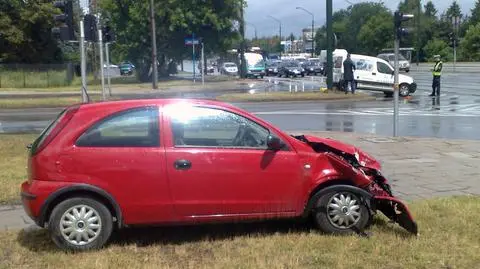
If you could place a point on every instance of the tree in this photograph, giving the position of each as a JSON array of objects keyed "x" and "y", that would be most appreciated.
[
  {"x": 475, "y": 16},
  {"x": 454, "y": 10},
  {"x": 437, "y": 46},
  {"x": 25, "y": 32},
  {"x": 376, "y": 34},
  {"x": 213, "y": 21},
  {"x": 470, "y": 45},
  {"x": 430, "y": 10}
]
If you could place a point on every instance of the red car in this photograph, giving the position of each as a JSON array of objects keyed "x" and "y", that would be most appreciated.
[{"x": 110, "y": 165}]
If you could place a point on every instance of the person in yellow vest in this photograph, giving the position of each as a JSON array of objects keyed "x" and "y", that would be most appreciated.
[{"x": 437, "y": 73}]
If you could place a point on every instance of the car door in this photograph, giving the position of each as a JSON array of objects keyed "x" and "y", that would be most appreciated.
[
  {"x": 123, "y": 154},
  {"x": 385, "y": 77},
  {"x": 364, "y": 75},
  {"x": 219, "y": 166}
]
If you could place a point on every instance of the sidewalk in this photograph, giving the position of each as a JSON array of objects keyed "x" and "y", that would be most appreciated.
[{"x": 418, "y": 168}]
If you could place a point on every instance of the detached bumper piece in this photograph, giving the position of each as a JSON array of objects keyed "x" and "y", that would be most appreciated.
[{"x": 396, "y": 211}]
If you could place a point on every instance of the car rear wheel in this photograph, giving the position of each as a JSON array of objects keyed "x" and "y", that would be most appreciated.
[
  {"x": 80, "y": 224},
  {"x": 340, "y": 212}
]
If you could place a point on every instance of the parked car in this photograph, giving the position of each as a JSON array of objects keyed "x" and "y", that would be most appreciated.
[
  {"x": 291, "y": 69},
  {"x": 104, "y": 166},
  {"x": 313, "y": 67},
  {"x": 126, "y": 68},
  {"x": 373, "y": 74},
  {"x": 272, "y": 68},
  {"x": 403, "y": 64},
  {"x": 229, "y": 68}
]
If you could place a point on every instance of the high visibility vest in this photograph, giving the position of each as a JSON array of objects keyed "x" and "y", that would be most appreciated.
[{"x": 437, "y": 70}]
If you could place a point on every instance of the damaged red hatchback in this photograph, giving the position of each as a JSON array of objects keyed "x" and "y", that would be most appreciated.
[{"x": 145, "y": 162}]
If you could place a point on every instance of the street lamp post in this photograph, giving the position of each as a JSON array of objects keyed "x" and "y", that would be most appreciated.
[
  {"x": 313, "y": 29},
  {"x": 254, "y": 27},
  {"x": 280, "y": 23}
]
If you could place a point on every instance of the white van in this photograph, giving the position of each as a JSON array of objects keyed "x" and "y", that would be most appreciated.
[{"x": 372, "y": 73}]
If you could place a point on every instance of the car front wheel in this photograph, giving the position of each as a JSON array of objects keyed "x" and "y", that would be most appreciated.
[
  {"x": 80, "y": 224},
  {"x": 404, "y": 90},
  {"x": 340, "y": 212}
]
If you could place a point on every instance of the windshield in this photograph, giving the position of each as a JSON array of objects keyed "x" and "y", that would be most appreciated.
[{"x": 230, "y": 65}]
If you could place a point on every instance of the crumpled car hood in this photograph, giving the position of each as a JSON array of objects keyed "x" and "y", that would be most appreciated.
[{"x": 362, "y": 157}]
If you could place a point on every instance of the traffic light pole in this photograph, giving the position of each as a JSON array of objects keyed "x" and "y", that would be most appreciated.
[
  {"x": 396, "y": 88},
  {"x": 83, "y": 64},
  {"x": 102, "y": 68}
]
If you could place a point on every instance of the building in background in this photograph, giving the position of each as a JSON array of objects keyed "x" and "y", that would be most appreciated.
[{"x": 308, "y": 39}]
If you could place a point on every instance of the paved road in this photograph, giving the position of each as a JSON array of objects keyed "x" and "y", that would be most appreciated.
[
  {"x": 417, "y": 168},
  {"x": 454, "y": 117}
]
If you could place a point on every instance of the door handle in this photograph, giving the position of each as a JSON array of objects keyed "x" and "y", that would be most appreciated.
[
  {"x": 182, "y": 164},
  {"x": 374, "y": 74}
]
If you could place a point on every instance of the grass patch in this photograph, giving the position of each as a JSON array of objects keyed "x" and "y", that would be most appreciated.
[
  {"x": 119, "y": 83},
  {"x": 46, "y": 102},
  {"x": 13, "y": 162},
  {"x": 449, "y": 239},
  {"x": 287, "y": 96}
]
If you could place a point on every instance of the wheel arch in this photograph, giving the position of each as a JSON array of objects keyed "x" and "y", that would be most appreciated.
[
  {"x": 334, "y": 184},
  {"x": 80, "y": 190}
]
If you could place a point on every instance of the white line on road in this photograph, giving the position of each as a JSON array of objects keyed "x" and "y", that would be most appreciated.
[{"x": 357, "y": 113}]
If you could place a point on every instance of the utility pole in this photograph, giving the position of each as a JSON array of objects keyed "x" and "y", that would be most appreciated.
[
  {"x": 280, "y": 34},
  {"x": 107, "y": 54},
  {"x": 203, "y": 63},
  {"x": 154, "y": 47},
  {"x": 419, "y": 11},
  {"x": 83, "y": 64},
  {"x": 313, "y": 29},
  {"x": 193, "y": 56},
  {"x": 329, "y": 45},
  {"x": 102, "y": 75},
  {"x": 243, "y": 65},
  {"x": 455, "y": 23}
]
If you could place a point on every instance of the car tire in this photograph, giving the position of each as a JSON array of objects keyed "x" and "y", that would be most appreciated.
[
  {"x": 80, "y": 208},
  {"x": 404, "y": 90},
  {"x": 329, "y": 221}
]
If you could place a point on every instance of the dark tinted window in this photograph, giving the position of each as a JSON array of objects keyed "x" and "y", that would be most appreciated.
[
  {"x": 207, "y": 127},
  {"x": 132, "y": 128}
]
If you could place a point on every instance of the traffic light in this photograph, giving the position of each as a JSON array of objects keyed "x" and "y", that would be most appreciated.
[
  {"x": 90, "y": 28},
  {"x": 399, "y": 30},
  {"x": 452, "y": 37},
  {"x": 108, "y": 34},
  {"x": 64, "y": 22}
]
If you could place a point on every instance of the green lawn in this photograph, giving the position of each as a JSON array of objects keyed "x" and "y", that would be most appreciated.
[{"x": 449, "y": 238}]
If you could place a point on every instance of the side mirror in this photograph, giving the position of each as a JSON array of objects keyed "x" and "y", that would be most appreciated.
[
  {"x": 274, "y": 143},
  {"x": 393, "y": 73}
]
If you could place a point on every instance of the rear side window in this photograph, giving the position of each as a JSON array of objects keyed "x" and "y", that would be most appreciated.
[{"x": 131, "y": 128}]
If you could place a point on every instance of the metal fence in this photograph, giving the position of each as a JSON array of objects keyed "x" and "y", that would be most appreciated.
[{"x": 36, "y": 75}]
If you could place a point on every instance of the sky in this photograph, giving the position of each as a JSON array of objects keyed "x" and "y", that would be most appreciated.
[{"x": 293, "y": 20}]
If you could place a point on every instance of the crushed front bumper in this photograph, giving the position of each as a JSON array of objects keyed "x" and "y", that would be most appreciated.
[{"x": 397, "y": 211}]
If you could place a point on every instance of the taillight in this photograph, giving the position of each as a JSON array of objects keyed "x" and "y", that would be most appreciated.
[{"x": 53, "y": 129}]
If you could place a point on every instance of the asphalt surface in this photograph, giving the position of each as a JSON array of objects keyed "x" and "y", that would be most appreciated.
[{"x": 454, "y": 115}]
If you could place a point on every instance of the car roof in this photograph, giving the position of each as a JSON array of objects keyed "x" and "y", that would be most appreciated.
[{"x": 145, "y": 102}]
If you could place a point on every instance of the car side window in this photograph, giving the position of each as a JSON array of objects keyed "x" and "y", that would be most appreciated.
[
  {"x": 383, "y": 68},
  {"x": 131, "y": 128},
  {"x": 209, "y": 127}
]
